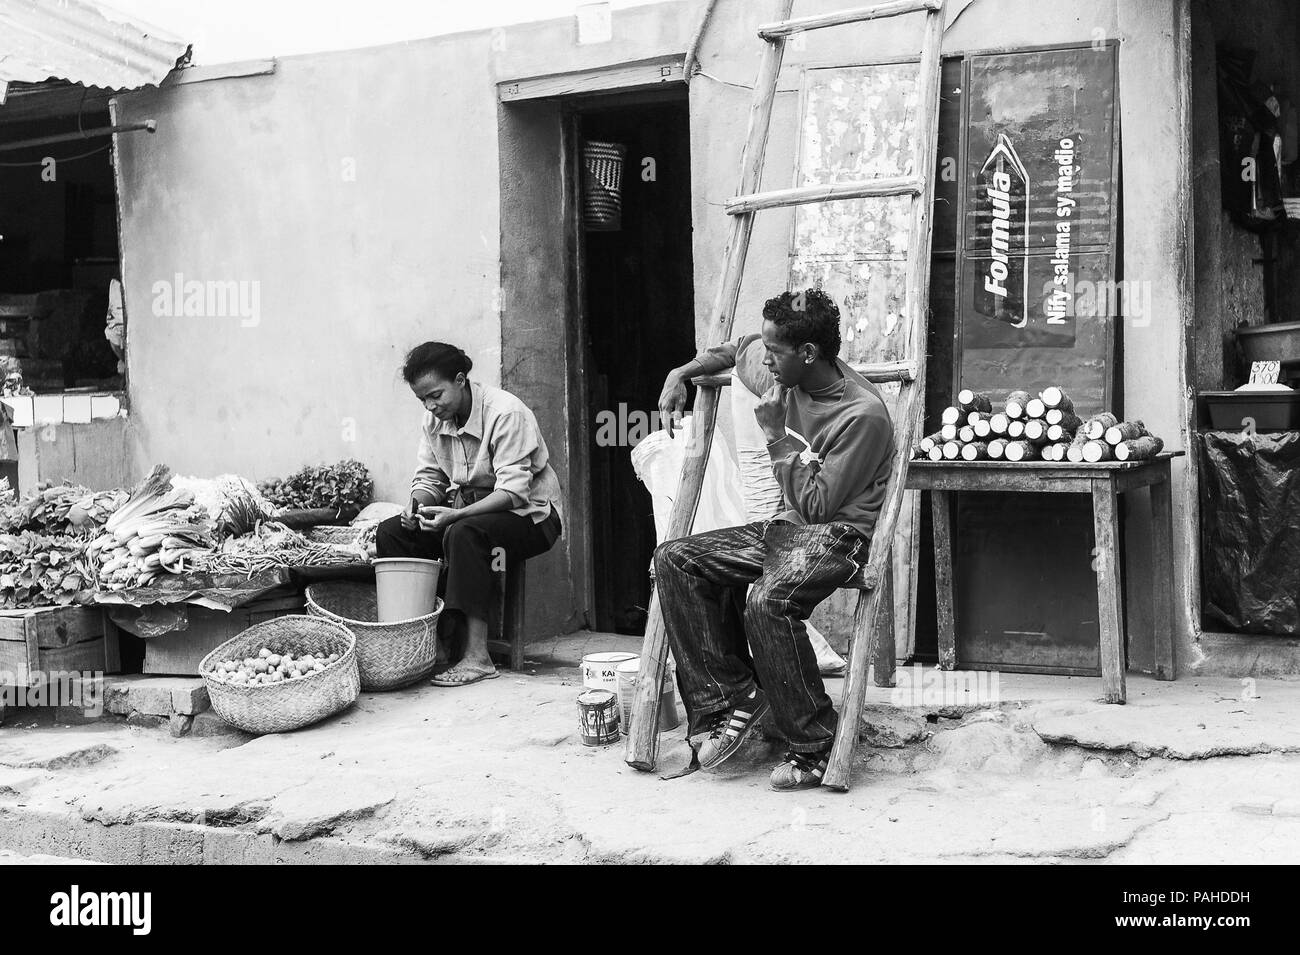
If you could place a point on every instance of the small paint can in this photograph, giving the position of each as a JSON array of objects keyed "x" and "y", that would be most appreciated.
[
  {"x": 598, "y": 717},
  {"x": 627, "y": 677},
  {"x": 600, "y": 670}
]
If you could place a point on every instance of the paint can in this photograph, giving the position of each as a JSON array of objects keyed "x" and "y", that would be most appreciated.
[
  {"x": 598, "y": 717},
  {"x": 627, "y": 677},
  {"x": 600, "y": 670}
]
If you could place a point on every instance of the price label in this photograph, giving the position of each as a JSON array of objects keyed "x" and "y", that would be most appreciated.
[{"x": 1265, "y": 372}]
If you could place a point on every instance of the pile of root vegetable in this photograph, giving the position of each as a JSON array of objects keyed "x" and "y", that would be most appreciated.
[{"x": 1028, "y": 428}]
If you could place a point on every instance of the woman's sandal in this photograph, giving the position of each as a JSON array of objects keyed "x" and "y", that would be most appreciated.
[{"x": 474, "y": 675}]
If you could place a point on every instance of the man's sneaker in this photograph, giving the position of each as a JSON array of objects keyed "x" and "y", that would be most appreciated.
[
  {"x": 730, "y": 728},
  {"x": 801, "y": 771}
]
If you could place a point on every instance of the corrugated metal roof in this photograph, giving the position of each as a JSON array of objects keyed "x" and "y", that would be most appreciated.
[{"x": 81, "y": 41}]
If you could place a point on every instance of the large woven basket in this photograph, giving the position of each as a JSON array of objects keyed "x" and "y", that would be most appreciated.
[
  {"x": 389, "y": 655},
  {"x": 291, "y": 704}
]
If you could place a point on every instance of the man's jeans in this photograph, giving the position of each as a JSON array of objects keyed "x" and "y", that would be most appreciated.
[{"x": 701, "y": 582}]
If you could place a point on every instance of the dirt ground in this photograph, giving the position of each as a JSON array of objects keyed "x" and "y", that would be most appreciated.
[{"x": 1195, "y": 771}]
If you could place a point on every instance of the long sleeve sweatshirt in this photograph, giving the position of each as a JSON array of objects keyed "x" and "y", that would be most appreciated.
[{"x": 833, "y": 465}]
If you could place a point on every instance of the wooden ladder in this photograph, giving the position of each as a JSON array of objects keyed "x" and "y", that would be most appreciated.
[{"x": 643, "y": 733}]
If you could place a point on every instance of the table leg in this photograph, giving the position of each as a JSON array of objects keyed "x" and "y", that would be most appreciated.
[
  {"x": 1162, "y": 566},
  {"x": 1110, "y": 611},
  {"x": 941, "y": 503},
  {"x": 885, "y": 659}
]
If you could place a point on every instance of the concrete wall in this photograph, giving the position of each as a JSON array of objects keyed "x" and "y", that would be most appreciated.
[{"x": 359, "y": 191}]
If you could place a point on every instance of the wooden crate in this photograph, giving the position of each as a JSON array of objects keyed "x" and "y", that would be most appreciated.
[
  {"x": 180, "y": 652},
  {"x": 51, "y": 639}
]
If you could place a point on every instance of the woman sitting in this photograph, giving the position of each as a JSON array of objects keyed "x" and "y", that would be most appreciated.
[{"x": 484, "y": 495}]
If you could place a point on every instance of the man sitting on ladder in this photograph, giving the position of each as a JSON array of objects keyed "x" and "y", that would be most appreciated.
[{"x": 831, "y": 443}]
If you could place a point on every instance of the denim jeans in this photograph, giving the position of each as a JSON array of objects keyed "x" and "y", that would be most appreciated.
[{"x": 701, "y": 582}]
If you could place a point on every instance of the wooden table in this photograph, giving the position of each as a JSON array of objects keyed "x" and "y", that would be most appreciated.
[{"x": 1104, "y": 481}]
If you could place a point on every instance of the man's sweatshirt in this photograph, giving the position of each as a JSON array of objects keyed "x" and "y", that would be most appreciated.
[{"x": 833, "y": 464}]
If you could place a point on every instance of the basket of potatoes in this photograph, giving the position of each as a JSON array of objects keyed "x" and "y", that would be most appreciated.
[{"x": 283, "y": 674}]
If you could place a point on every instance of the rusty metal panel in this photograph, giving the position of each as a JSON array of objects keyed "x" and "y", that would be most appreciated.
[
  {"x": 1073, "y": 356},
  {"x": 1037, "y": 298},
  {"x": 82, "y": 42},
  {"x": 1034, "y": 101}
]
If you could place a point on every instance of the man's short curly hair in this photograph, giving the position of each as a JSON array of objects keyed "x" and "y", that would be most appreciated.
[{"x": 807, "y": 317}]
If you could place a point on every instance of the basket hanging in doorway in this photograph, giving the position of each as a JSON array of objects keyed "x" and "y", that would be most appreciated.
[{"x": 602, "y": 186}]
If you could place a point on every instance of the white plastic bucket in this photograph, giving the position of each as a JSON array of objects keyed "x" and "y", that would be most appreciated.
[
  {"x": 600, "y": 670},
  {"x": 406, "y": 587},
  {"x": 627, "y": 677}
]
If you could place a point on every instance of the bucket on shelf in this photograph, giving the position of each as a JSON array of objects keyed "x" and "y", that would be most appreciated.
[
  {"x": 627, "y": 677},
  {"x": 598, "y": 717},
  {"x": 600, "y": 670},
  {"x": 406, "y": 587}
]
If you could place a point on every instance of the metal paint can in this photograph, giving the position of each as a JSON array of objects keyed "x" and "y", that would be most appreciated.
[
  {"x": 627, "y": 677},
  {"x": 600, "y": 670},
  {"x": 598, "y": 717}
]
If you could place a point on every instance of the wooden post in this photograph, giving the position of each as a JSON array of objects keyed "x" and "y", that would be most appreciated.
[
  {"x": 642, "y": 746},
  {"x": 1110, "y": 618},
  {"x": 885, "y": 657},
  {"x": 861, "y": 652},
  {"x": 945, "y": 599},
  {"x": 1162, "y": 566}
]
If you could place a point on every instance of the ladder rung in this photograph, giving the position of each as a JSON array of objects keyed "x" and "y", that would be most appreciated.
[
  {"x": 878, "y": 11},
  {"x": 711, "y": 381},
  {"x": 867, "y": 188},
  {"x": 878, "y": 372}
]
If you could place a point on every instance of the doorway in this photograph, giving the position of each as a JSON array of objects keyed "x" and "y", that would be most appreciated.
[{"x": 636, "y": 320}]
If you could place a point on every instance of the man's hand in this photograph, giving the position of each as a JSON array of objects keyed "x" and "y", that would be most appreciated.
[
  {"x": 770, "y": 413},
  {"x": 672, "y": 401},
  {"x": 435, "y": 518}
]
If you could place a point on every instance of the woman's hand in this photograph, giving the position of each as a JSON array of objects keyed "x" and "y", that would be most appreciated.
[
  {"x": 770, "y": 413},
  {"x": 437, "y": 518},
  {"x": 410, "y": 517}
]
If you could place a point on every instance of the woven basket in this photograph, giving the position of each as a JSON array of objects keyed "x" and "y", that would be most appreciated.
[
  {"x": 389, "y": 655},
  {"x": 290, "y": 704},
  {"x": 325, "y": 534}
]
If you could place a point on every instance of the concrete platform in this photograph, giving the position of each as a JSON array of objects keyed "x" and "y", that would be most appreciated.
[{"x": 1024, "y": 768}]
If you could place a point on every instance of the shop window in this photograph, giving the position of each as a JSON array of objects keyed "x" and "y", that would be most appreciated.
[{"x": 60, "y": 294}]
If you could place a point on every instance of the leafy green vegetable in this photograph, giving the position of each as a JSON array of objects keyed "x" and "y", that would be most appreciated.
[{"x": 333, "y": 486}]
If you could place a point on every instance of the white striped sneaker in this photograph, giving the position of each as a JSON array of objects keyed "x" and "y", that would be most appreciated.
[
  {"x": 801, "y": 771},
  {"x": 730, "y": 729}
]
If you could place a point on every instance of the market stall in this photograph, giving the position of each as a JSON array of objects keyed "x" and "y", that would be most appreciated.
[
  {"x": 184, "y": 563},
  {"x": 1037, "y": 445}
]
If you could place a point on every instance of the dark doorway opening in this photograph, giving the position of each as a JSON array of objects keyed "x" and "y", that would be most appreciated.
[{"x": 636, "y": 288}]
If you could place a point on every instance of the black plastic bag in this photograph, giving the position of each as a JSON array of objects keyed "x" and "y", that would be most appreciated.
[{"x": 1250, "y": 531}]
